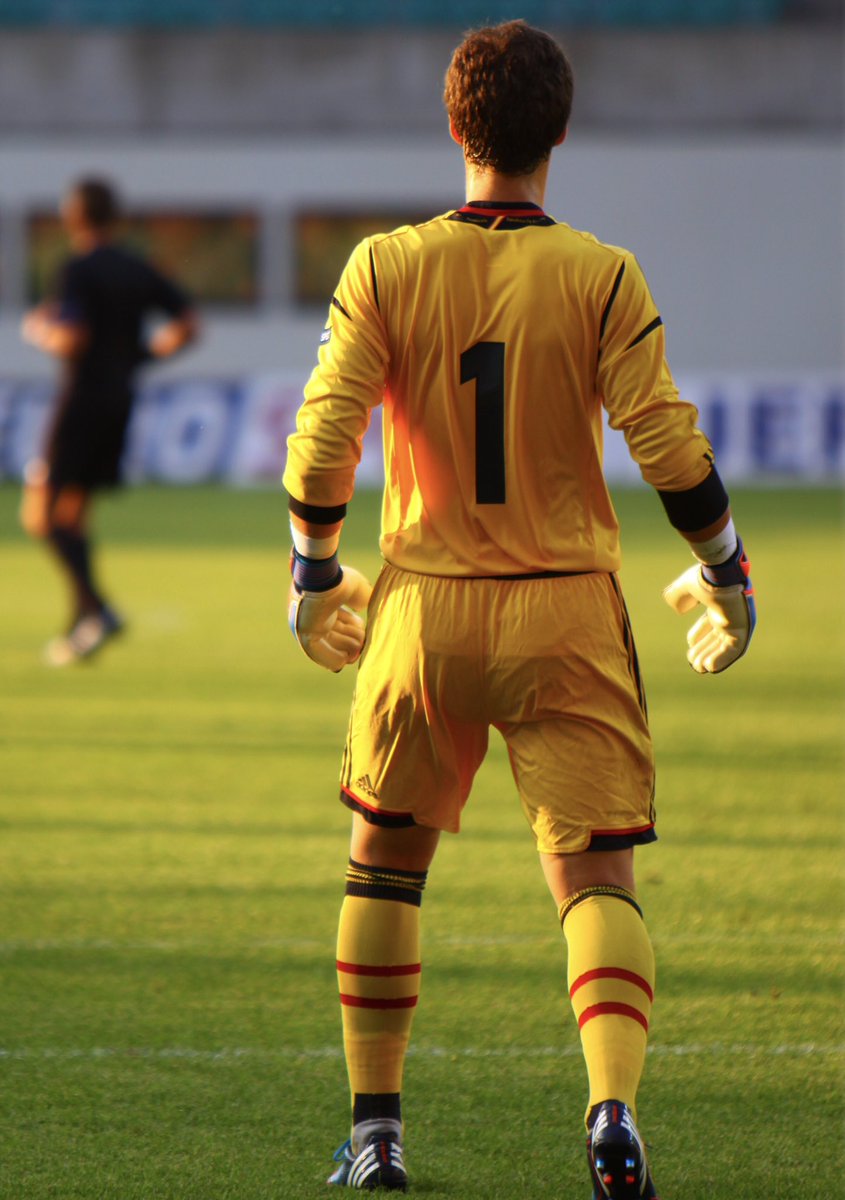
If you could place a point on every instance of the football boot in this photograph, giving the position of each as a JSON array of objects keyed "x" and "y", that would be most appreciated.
[
  {"x": 88, "y": 635},
  {"x": 378, "y": 1164},
  {"x": 616, "y": 1155}
]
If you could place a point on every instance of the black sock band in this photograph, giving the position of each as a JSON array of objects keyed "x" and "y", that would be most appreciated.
[
  {"x": 385, "y": 883},
  {"x": 375, "y": 1106},
  {"x": 601, "y": 889},
  {"x": 74, "y": 550}
]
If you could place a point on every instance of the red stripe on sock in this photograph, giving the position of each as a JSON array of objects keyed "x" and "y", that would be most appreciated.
[
  {"x": 612, "y": 973},
  {"x": 378, "y": 1002},
  {"x": 383, "y": 972},
  {"x": 612, "y": 1009}
]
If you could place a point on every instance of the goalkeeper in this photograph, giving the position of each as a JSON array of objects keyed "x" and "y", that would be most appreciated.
[{"x": 493, "y": 336}]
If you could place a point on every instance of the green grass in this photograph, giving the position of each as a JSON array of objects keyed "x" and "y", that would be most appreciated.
[{"x": 172, "y": 860}]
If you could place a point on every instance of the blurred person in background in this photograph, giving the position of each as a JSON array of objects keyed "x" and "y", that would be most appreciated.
[{"x": 95, "y": 325}]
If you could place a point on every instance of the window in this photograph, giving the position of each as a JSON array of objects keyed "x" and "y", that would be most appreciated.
[
  {"x": 324, "y": 241},
  {"x": 214, "y": 256}
]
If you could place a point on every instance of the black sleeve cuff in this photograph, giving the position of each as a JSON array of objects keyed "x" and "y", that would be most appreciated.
[
  {"x": 316, "y": 514},
  {"x": 696, "y": 507}
]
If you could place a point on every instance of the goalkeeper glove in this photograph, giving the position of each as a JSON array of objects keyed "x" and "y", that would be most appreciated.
[
  {"x": 323, "y": 623},
  {"x": 721, "y": 636}
]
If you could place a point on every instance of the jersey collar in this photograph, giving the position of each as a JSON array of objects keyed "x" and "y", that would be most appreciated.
[
  {"x": 507, "y": 215},
  {"x": 495, "y": 208}
]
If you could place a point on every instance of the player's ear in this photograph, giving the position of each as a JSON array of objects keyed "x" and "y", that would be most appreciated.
[
  {"x": 453, "y": 133},
  {"x": 562, "y": 137}
]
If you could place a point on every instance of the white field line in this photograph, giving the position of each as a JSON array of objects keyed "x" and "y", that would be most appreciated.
[
  {"x": 236, "y": 1054},
  {"x": 174, "y": 945},
  {"x": 10, "y": 946}
]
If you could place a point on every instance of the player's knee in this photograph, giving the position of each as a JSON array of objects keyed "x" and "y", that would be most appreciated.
[
  {"x": 46, "y": 509},
  {"x": 407, "y": 848},
  {"x": 35, "y": 502},
  {"x": 567, "y": 874},
  {"x": 67, "y": 510}
]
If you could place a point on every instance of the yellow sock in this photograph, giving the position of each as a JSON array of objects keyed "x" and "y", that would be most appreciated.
[
  {"x": 611, "y": 987},
  {"x": 378, "y": 969}
]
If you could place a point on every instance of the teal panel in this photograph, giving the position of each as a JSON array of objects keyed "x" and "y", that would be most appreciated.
[{"x": 363, "y": 13}]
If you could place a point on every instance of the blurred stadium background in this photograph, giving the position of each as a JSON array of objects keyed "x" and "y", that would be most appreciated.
[{"x": 255, "y": 140}]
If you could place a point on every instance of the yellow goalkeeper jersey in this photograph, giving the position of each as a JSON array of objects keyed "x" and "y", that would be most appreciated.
[{"x": 493, "y": 335}]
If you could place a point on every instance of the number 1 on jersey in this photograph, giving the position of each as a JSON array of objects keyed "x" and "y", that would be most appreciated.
[{"x": 485, "y": 363}]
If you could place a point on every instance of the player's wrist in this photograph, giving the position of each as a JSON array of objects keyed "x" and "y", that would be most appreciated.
[
  {"x": 733, "y": 570},
  {"x": 315, "y": 575},
  {"x": 718, "y": 548}
]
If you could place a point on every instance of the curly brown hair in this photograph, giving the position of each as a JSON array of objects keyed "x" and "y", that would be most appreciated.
[{"x": 509, "y": 95}]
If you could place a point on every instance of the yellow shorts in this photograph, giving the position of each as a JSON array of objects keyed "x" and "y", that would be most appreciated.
[{"x": 548, "y": 662}]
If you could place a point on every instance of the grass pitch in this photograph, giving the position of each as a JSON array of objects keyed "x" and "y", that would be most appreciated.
[{"x": 172, "y": 864}]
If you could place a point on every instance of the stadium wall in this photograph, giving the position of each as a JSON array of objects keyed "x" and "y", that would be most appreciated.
[
  {"x": 741, "y": 238},
  {"x": 382, "y": 80}
]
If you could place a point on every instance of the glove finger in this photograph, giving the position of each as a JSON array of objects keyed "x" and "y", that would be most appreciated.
[
  {"x": 700, "y": 630},
  {"x": 348, "y": 622},
  {"x": 700, "y": 654},
  {"x": 327, "y": 655},
  {"x": 722, "y": 656},
  {"x": 726, "y": 660},
  {"x": 681, "y": 594},
  {"x": 314, "y": 618},
  {"x": 737, "y": 617},
  {"x": 715, "y": 653},
  {"x": 698, "y": 662},
  {"x": 355, "y": 589},
  {"x": 347, "y": 634},
  {"x": 347, "y": 644}
]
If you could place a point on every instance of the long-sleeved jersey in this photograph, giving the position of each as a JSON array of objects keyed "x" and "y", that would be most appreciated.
[{"x": 493, "y": 335}]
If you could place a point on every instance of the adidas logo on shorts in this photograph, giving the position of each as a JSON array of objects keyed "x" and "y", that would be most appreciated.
[{"x": 365, "y": 784}]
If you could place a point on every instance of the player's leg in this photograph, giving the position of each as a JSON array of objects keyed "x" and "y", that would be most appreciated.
[
  {"x": 69, "y": 539},
  {"x": 58, "y": 515},
  {"x": 379, "y": 965},
  {"x": 581, "y": 756},
  {"x": 413, "y": 747},
  {"x": 95, "y": 621},
  {"x": 610, "y": 966},
  {"x": 611, "y": 988}
]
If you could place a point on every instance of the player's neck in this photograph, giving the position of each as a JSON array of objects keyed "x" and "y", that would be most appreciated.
[
  {"x": 84, "y": 240},
  {"x": 483, "y": 184}
]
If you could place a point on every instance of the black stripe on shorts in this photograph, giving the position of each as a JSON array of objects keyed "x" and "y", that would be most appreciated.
[
  {"x": 622, "y": 841},
  {"x": 374, "y": 816}
]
